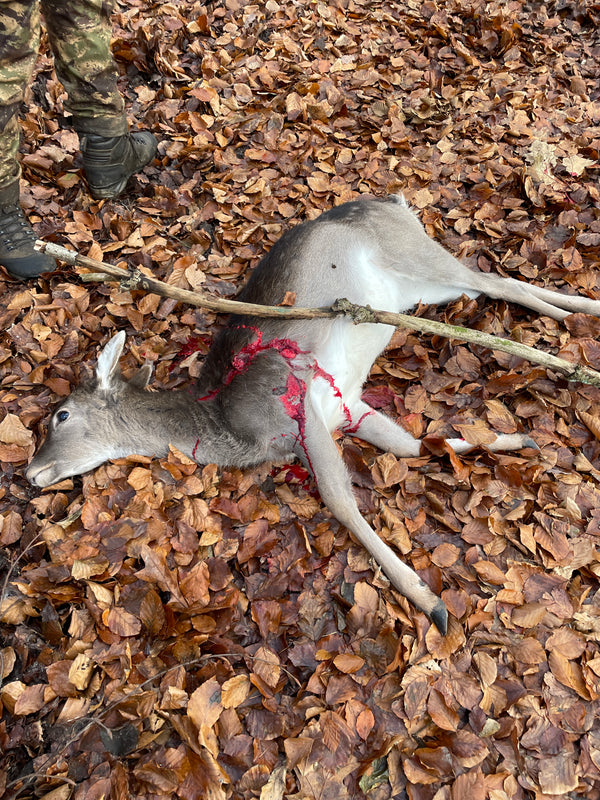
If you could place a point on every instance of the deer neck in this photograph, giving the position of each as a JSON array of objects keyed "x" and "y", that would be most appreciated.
[{"x": 196, "y": 427}]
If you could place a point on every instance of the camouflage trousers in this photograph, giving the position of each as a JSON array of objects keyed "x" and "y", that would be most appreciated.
[{"x": 79, "y": 32}]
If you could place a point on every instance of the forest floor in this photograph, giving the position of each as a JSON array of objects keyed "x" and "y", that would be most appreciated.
[{"x": 170, "y": 631}]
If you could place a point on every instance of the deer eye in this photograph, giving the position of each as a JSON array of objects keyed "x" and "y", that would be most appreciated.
[{"x": 62, "y": 416}]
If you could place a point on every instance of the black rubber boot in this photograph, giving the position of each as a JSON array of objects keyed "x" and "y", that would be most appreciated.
[
  {"x": 17, "y": 252},
  {"x": 109, "y": 161}
]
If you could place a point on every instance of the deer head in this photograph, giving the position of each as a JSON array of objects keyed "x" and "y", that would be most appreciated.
[{"x": 93, "y": 424}]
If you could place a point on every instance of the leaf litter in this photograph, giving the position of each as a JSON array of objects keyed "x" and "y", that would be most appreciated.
[{"x": 174, "y": 631}]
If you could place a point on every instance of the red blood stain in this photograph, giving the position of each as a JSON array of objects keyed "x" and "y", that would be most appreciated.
[
  {"x": 293, "y": 402},
  {"x": 287, "y": 348},
  {"x": 296, "y": 472},
  {"x": 356, "y": 426},
  {"x": 294, "y": 397},
  {"x": 192, "y": 345}
]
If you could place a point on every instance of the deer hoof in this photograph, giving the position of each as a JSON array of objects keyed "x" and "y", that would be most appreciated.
[{"x": 439, "y": 617}]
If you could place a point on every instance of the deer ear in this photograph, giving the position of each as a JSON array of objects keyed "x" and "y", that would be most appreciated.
[
  {"x": 107, "y": 368},
  {"x": 142, "y": 377}
]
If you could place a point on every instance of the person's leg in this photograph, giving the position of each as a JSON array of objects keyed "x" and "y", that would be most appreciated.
[
  {"x": 79, "y": 32},
  {"x": 19, "y": 42}
]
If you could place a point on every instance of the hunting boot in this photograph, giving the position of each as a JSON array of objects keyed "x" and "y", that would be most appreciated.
[
  {"x": 109, "y": 161},
  {"x": 17, "y": 239}
]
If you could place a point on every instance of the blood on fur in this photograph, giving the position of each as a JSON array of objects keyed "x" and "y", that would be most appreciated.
[{"x": 293, "y": 399}]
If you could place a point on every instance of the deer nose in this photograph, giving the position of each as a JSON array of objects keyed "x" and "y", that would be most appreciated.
[{"x": 35, "y": 474}]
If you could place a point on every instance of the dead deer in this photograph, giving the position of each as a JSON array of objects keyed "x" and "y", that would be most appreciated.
[{"x": 274, "y": 389}]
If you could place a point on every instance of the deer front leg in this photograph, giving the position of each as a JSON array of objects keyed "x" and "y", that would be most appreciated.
[
  {"x": 378, "y": 429},
  {"x": 319, "y": 450}
]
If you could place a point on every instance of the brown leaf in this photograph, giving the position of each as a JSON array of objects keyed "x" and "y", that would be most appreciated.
[
  {"x": 205, "y": 706},
  {"x": 81, "y": 671},
  {"x": 10, "y": 693},
  {"x": 274, "y": 788},
  {"x": 568, "y": 673},
  {"x": 11, "y": 527},
  {"x": 267, "y": 666},
  {"x": 294, "y": 106},
  {"x": 289, "y": 299},
  {"x": 235, "y": 691},
  {"x": 476, "y": 433},
  {"x": 490, "y": 573},
  {"x": 348, "y": 663},
  {"x": 194, "y": 585},
  {"x": 337, "y": 736},
  {"x": 12, "y": 431},
  {"x": 156, "y": 569},
  {"x": 258, "y": 540},
  {"x": 557, "y": 775},
  {"x": 121, "y": 622},
  {"x": 32, "y": 699},
  {"x": 389, "y": 471},
  {"x": 499, "y": 417},
  {"x": 7, "y": 662},
  {"x": 444, "y": 717}
]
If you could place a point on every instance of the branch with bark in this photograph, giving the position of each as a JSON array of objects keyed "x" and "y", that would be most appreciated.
[{"x": 136, "y": 279}]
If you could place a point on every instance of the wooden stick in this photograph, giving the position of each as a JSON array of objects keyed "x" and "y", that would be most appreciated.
[{"x": 135, "y": 279}]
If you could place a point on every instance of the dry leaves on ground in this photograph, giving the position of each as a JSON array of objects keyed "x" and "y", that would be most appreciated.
[{"x": 180, "y": 632}]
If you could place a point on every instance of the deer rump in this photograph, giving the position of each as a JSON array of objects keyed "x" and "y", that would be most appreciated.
[{"x": 274, "y": 389}]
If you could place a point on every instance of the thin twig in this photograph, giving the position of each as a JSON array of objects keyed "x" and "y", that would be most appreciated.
[{"x": 135, "y": 279}]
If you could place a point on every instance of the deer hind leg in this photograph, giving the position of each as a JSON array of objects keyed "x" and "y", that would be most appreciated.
[
  {"x": 378, "y": 429},
  {"x": 333, "y": 481},
  {"x": 570, "y": 303},
  {"x": 544, "y": 301}
]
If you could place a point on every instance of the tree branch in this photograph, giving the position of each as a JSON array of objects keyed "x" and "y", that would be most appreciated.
[{"x": 135, "y": 279}]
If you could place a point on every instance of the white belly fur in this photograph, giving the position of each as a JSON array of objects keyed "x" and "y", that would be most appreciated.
[
  {"x": 347, "y": 354},
  {"x": 344, "y": 362}
]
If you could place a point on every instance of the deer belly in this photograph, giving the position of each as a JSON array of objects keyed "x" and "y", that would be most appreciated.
[{"x": 341, "y": 366}]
